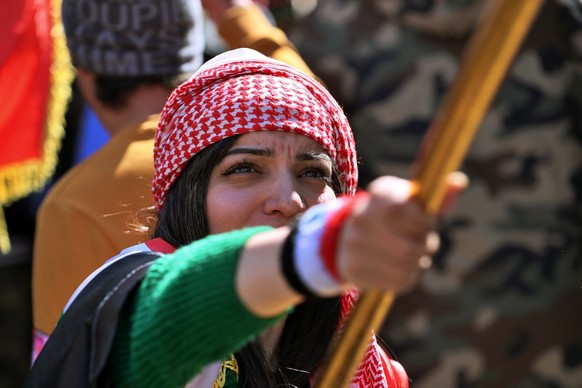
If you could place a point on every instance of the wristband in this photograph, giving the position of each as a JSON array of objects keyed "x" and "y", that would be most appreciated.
[
  {"x": 288, "y": 265},
  {"x": 332, "y": 229},
  {"x": 308, "y": 261},
  {"x": 301, "y": 262}
]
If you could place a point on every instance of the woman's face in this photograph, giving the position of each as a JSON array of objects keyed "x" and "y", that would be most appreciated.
[{"x": 267, "y": 178}]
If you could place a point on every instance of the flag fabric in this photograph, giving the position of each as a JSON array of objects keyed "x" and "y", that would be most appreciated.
[{"x": 35, "y": 86}]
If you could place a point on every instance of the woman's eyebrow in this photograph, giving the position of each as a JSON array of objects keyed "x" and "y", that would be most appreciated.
[
  {"x": 313, "y": 155},
  {"x": 303, "y": 156}
]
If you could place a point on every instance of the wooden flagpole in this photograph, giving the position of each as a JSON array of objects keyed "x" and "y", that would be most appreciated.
[{"x": 485, "y": 62}]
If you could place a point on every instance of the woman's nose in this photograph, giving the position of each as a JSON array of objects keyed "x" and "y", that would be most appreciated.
[{"x": 284, "y": 198}]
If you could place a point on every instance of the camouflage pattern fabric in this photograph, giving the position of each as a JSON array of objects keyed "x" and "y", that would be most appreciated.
[{"x": 502, "y": 305}]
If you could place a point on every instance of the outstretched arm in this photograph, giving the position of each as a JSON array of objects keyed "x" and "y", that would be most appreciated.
[
  {"x": 384, "y": 243},
  {"x": 210, "y": 298}
]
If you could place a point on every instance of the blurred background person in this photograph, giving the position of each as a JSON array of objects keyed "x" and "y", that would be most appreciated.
[
  {"x": 502, "y": 304},
  {"x": 129, "y": 56}
]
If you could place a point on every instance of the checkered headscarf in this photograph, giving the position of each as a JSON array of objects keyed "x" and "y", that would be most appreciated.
[{"x": 242, "y": 91}]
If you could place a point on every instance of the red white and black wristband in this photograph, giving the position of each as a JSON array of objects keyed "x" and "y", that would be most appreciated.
[{"x": 308, "y": 261}]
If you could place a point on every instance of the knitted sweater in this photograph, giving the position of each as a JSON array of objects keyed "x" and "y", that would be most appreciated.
[{"x": 185, "y": 315}]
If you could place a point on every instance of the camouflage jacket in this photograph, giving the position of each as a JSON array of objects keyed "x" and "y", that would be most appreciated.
[{"x": 502, "y": 305}]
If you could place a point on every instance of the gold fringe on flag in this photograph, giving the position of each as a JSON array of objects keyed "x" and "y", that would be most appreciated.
[{"x": 23, "y": 178}]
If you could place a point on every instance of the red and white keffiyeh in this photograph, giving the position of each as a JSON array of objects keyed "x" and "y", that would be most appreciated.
[
  {"x": 243, "y": 91},
  {"x": 377, "y": 370}
]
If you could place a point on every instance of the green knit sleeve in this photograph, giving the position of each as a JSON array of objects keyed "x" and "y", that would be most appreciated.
[{"x": 185, "y": 315}]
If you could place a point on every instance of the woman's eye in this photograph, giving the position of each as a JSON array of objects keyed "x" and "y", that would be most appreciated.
[
  {"x": 239, "y": 168},
  {"x": 318, "y": 173}
]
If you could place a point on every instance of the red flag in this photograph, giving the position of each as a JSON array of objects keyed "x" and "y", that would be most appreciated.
[{"x": 35, "y": 79}]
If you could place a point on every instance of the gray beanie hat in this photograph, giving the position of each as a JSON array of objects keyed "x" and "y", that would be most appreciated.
[{"x": 134, "y": 37}]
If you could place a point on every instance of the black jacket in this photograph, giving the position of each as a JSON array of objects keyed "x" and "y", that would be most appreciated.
[{"x": 77, "y": 351}]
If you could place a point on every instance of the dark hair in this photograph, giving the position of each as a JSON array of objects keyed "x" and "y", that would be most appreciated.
[
  {"x": 112, "y": 91},
  {"x": 308, "y": 330}
]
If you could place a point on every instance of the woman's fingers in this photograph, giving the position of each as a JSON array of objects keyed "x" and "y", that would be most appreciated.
[
  {"x": 390, "y": 200},
  {"x": 388, "y": 240},
  {"x": 378, "y": 257},
  {"x": 457, "y": 182}
]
